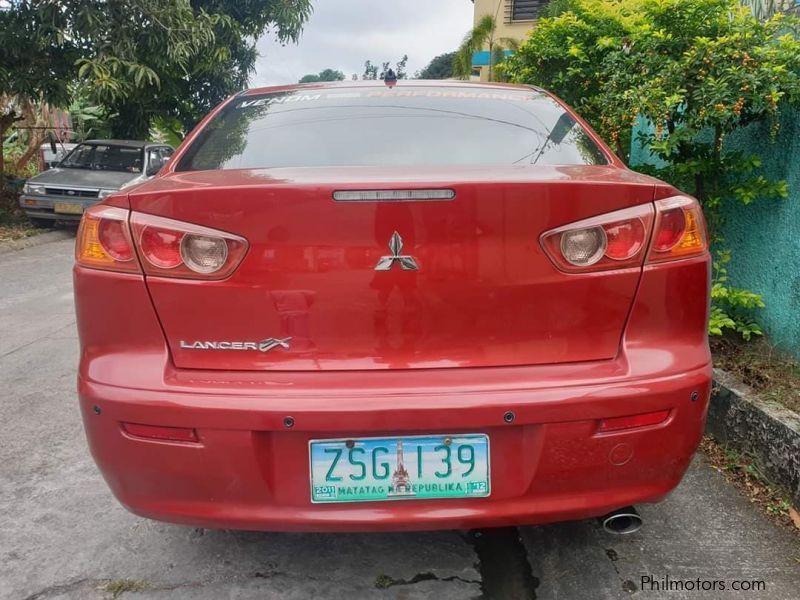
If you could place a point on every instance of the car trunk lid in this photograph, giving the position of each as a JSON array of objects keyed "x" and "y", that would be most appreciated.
[{"x": 323, "y": 285}]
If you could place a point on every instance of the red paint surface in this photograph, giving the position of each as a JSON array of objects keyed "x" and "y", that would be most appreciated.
[{"x": 487, "y": 325}]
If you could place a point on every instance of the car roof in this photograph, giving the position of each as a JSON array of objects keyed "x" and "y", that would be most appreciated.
[
  {"x": 379, "y": 83},
  {"x": 130, "y": 143}
]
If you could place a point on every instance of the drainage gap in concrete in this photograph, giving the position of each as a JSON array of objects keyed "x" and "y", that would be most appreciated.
[
  {"x": 384, "y": 582},
  {"x": 503, "y": 564}
]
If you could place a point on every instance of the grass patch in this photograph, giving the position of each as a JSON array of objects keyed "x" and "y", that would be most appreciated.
[
  {"x": 115, "y": 589},
  {"x": 743, "y": 471},
  {"x": 770, "y": 372},
  {"x": 19, "y": 231},
  {"x": 383, "y": 582},
  {"x": 14, "y": 223}
]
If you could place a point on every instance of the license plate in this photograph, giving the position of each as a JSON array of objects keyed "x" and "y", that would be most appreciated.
[
  {"x": 69, "y": 208},
  {"x": 400, "y": 468}
]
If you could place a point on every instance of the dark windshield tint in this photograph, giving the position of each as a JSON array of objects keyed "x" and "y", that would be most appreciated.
[
  {"x": 403, "y": 126},
  {"x": 105, "y": 157}
]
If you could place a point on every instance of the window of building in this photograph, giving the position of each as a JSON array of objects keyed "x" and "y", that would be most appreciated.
[{"x": 526, "y": 10}]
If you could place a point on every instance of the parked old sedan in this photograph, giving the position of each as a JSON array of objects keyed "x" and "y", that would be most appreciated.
[
  {"x": 362, "y": 307},
  {"x": 90, "y": 172}
]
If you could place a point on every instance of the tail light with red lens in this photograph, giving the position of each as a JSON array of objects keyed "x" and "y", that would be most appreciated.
[
  {"x": 104, "y": 240},
  {"x": 170, "y": 248},
  {"x": 110, "y": 238},
  {"x": 161, "y": 247},
  {"x": 680, "y": 230},
  {"x": 622, "y": 238},
  {"x": 612, "y": 241}
]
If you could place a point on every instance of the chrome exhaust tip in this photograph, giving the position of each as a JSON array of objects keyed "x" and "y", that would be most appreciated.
[{"x": 622, "y": 521}]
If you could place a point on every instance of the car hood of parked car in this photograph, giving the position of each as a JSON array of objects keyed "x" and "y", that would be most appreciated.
[{"x": 84, "y": 178}]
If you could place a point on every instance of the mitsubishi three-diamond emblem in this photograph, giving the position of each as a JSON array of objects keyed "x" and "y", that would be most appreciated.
[{"x": 406, "y": 262}]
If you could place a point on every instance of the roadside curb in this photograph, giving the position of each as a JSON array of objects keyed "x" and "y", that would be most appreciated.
[
  {"x": 35, "y": 240},
  {"x": 762, "y": 428}
]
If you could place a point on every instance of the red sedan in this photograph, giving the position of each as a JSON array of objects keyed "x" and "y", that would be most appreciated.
[{"x": 370, "y": 307}]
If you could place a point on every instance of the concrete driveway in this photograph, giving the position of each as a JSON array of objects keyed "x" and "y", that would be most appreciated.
[{"x": 62, "y": 534}]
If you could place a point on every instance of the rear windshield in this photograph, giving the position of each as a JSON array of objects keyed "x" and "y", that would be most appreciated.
[
  {"x": 401, "y": 126},
  {"x": 105, "y": 157}
]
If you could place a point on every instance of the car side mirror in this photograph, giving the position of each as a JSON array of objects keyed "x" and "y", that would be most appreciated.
[{"x": 154, "y": 166}]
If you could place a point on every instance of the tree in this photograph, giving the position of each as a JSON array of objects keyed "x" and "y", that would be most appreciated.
[
  {"x": 326, "y": 75},
  {"x": 371, "y": 71},
  {"x": 400, "y": 67},
  {"x": 557, "y": 7},
  {"x": 440, "y": 67},
  {"x": 89, "y": 120},
  {"x": 30, "y": 70},
  {"x": 141, "y": 60},
  {"x": 35, "y": 121},
  {"x": 694, "y": 72},
  {"x": 479, "y": 37},
  {"x": 211, "y": 58}
]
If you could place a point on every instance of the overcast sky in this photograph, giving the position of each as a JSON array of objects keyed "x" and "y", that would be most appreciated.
[{"x": 342, "y": 34}]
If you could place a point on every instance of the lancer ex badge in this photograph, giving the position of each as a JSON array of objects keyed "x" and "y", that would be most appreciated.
[
  {"x": 406, "y": 262},
  {"x": 269, "y": 344},
  {"x": 262, "y": 346}
]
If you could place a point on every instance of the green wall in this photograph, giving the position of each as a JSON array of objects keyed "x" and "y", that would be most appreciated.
[{"x": 764, "y": 237}]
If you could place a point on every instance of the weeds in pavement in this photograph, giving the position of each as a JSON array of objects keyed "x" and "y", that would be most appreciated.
[
  {"x": 744, "y": 472},
  {"x": 770, "y": 372},
  {"x": 115, "y": 589}
]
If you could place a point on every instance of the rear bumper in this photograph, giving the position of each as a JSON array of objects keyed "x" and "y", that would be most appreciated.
[{"x": 249, "y": 471}]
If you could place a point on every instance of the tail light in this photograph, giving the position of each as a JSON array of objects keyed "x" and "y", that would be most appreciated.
[
  {"x": 165, "y": 247},
  {"x": 104, "y": 240},
  {"x": 172, "y": 248},
  {"x": 680, "y": 229},
  {"x": 622, "y": 238},
  {"x": 612, "y": 241}
]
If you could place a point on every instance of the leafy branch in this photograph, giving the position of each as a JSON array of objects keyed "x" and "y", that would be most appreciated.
[{"x": 686, "y": 75}]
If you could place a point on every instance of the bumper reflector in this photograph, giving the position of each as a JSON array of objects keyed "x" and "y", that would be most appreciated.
[
  {"x": 629, "y": 422},
  {"x": 155, "y": 432}
]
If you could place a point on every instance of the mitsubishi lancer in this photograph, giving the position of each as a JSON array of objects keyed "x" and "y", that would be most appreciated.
[{"x": 360, "y": 306}]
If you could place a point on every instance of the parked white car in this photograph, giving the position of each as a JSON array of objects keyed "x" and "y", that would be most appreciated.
[{"x": 91, "y": 171}]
